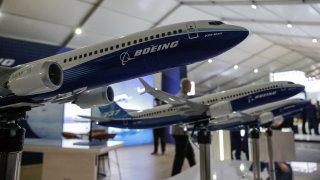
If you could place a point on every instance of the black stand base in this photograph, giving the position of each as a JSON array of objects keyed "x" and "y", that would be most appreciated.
[
  {"x": 204, "y": 140},
  {"x": 11, "y": 145},
  {"x": 255, "y": 135},
  {"x": 270, "y": 153}
]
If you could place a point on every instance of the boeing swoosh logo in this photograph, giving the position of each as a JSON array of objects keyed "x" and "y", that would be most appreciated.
[{"x": 125, "y": 57}]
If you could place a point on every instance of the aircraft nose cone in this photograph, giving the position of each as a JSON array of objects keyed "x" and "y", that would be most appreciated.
[
  {"x": 242, "y": 31},
  {"x": 301, "y": 87}
]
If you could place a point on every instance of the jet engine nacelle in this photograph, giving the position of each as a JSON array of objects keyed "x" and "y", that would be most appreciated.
[
  {"x": 266, "y": 117},
  {"x": 220, "y": 109},
  {"x": 41, "y": 77},
  {"x": 95, "y": 97}
]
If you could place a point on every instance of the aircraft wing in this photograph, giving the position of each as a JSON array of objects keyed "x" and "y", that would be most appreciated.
[
  {"x": 21, "y": 104},
  {"x": 181, "y": 103},
  {"x": 102, "y": 119},
  {"x": 232, "y": 120}
]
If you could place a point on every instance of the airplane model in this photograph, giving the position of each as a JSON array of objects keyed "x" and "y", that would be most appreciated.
[
  {"x": 82, "y": 75},
  {"x": 260, "y": 115},
  {"x": 179, "y": 110}
]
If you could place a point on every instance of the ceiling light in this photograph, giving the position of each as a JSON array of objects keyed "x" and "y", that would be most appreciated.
[
  {"x": 256, "y": 70},
  {"x": 314, "y": 40},
  {"x": 289, "y": 25},
  {"x": 235, "y": 67},
  {"x": 253, "y": 6},
  {"x": 78, "y": 31},
  {"x": 209, "y": 60}
]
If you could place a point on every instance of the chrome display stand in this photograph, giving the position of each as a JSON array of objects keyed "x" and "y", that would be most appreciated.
[
  {"x": 270, "y": 153},
  {"x": 11, "y": 145},
  {"x": 254, "y": 135},
  {"x": 11, "y": 142},
  {"x": 204, "y": 141}
]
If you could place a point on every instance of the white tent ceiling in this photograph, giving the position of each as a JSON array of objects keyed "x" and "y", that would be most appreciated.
[{"x": 271, "y": 47}]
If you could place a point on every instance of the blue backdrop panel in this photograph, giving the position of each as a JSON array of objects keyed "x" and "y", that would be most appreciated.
[
  {"x": 23, "y": 51},
  {"x": 171, "y": 84}
]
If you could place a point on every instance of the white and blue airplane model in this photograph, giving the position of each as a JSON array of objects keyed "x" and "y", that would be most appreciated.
[
  {"x": 209, "y": 107},
  {"x": 83, "y": 75},
  {"x": 260, "y": 115}
]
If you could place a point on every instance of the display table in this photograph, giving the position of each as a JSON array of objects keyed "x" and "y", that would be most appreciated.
[{"x": 69, "y": 159}]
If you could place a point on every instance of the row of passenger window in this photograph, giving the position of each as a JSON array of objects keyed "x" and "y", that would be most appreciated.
[
  {"x": 154, "y": 113},
  {"x": 243, "y": 93},
  {"x": 122, "y": 45}
]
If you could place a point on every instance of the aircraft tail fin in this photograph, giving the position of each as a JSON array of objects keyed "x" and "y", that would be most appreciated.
[{"x": 113, "y": 110}]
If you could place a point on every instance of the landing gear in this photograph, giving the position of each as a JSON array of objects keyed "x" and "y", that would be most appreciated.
[{"x": 11, "y": 142}]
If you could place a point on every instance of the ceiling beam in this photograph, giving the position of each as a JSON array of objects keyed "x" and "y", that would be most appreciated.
[
  {"x": 264, "y": 21},
  {"x": 81, "y": 23},
  {"x": 231, "y": 67},
  {"x": 1, "y": 2},
  {"x": 269, "y": 62},
  {"x": 246, "y": 2},
  {"x": 277, "y": 70},
  {"x": 166, "y": 15}
]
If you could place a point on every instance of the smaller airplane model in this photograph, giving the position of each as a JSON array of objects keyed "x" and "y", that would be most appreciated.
[
  {"x": 261, "y": 115},
  {"x": 209, "y": 107}
]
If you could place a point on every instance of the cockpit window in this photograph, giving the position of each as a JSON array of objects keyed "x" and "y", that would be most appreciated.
[
  {"x": 290, "y": 83},
  {"x": 215, "y": 22}
]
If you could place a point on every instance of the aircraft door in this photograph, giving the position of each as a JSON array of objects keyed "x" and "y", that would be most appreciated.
[{"x": 192, "y": 30}]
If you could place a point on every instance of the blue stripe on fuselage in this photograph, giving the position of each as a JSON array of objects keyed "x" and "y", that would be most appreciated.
[
  {"x": 264, "y": 97},
  {"x": 108, "y": 69}
]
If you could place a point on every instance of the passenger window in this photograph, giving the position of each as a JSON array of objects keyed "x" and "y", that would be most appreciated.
[
  {"x": 117, "y": 46},
  {"x": 111, "y": 48},
  {"x": 180, "y": 30},
  {"x": 146, "y": 38},
  {"x": 75, "y": 58},
  {"x": 174, "y": 32},
  {"x": 90, "y": 53},
  {"x": 101, "y": 50},
  {"x": 129, "y": 43},
  {"x": 85, "y": 55},
  {"x": 134, "y": 41},
  {"x": 65, "y": 60},
  {"x": 123, "y": 45},
  {"x": 80, "y": 56},
  {"x": 140, "y": 40},
  {"x": 106, "y": 49},
  {"x": 163, "y": 34},
  {"x": 157, "y": 36},
  {"x": 95, "y": 52},
  {"x": 169, "y": 33},
  {"x": 70, "y": 59}
]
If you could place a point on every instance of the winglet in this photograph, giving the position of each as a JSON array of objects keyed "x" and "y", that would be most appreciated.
[{"x": 146, "y": 86}]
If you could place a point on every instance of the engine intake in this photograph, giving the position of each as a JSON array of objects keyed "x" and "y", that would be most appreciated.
[
  {"x": 95, "y": 97},
  {"x": 36, "y": 78}
]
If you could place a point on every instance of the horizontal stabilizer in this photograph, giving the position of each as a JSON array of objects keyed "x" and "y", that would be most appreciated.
[
  {"x": 95, "y": 119},
  {"x": 22, "y": 104}
]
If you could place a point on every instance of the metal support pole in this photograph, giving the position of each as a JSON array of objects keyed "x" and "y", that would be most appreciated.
[
  {"x": 270, "y": 153},
  {"x": 204, "y": 140},
  {"x": 11, "y": 145},
  {"x": 254, "y": 135}
]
